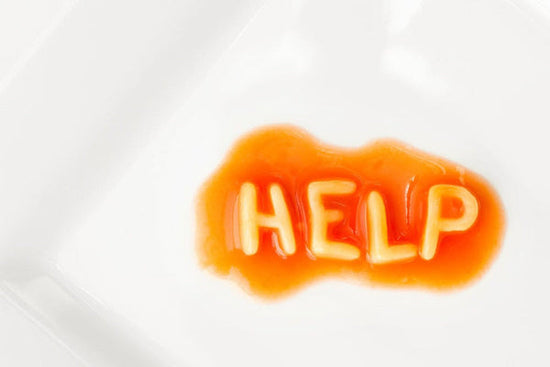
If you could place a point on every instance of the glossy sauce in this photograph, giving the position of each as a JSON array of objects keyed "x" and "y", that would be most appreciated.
[{"x": 402, "y": 175}]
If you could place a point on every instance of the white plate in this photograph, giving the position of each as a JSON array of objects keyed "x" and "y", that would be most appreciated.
[{"x": 102, "y": 166}]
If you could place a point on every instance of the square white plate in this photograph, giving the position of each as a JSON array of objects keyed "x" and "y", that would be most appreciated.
[{"x": 110, "y": 129}]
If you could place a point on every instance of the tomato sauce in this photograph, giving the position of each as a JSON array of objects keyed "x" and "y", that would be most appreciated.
[{"x": 403, "y": 176}]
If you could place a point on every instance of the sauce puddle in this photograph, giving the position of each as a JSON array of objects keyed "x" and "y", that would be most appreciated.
[{"x": 285, "y": 209}]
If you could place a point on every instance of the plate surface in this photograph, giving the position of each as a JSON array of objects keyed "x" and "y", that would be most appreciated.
[{"x": 99, "y": 242}]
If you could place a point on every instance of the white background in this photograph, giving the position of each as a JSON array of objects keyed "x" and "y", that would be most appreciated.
[
  {"x": 485, "y": 70},
  {"x": 23, "y": 23}
]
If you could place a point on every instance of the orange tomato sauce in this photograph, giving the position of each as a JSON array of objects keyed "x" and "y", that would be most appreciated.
[{"x": 291, "y": 158}]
